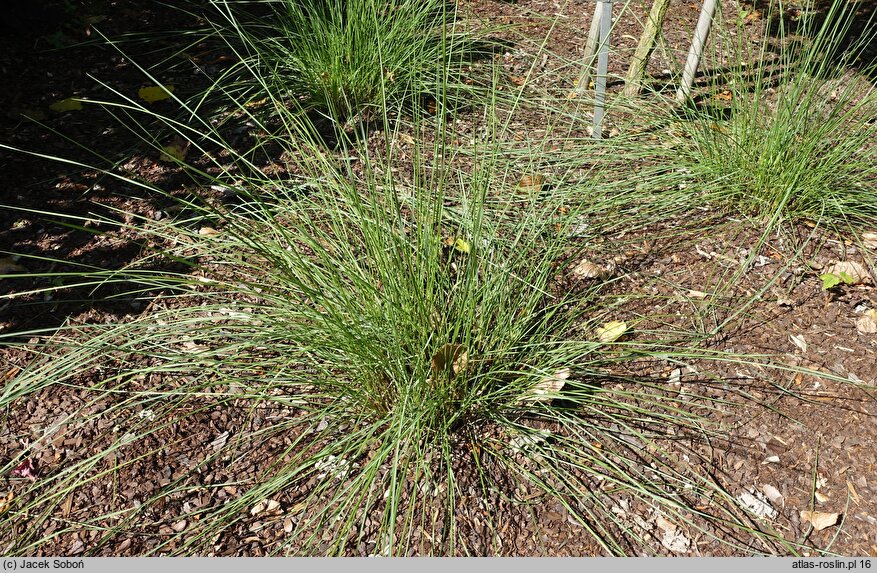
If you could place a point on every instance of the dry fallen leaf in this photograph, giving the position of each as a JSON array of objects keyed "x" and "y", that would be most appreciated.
[
  {"x": 870, "y": 239},
  {"x": 66, "y": 506},
  {"x": 548, "y": 388},
  {"x": 588, "y": 270},
  {"x": 773, "y": 494},
  {"x": 857, "y": 273},
  {"x": 155, "y": 93},
  {"x": 175, "y": 151},
  {"x": 6, "y": 502},
  {"x": 531, "y": 182},
  {"x": 853, "y": 493},
  {"x": 820, "y": 520},
  {"x": 270, "y": 506},
  {"x": 799, "y": 341},
  {"x": 208, "y": 231},
  {"x": 611, "y": 331},
  {"x": 453, "y": 357},
  {"x": 821, "y": 497},
  {"x": 866, "y": 325},
  {"x": 697, "y": 294}
]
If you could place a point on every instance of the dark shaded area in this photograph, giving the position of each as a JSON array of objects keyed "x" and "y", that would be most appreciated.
[
  {"x": 53, "y": 50},
  {"x": 856, "y": 39}
]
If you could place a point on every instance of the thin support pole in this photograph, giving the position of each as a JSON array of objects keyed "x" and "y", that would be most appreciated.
[
  {"x": 701, "y": 33},
  {"x": 590, "y": 51},
  {"x": 602, "y": 66}
]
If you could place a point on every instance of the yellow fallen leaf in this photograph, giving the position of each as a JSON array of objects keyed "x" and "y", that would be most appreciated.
[
  {"x": 66, "y": 104},
  {"x": 173, "y": 153},
  {"x": 8, "y": 265},
  {"x": 155, "y": 93},
  {"x": 611, "y": 331},
  {"x": 6, "y": 503},
  {"x": 458, "y": 244},
  {"x": 820, "y": 520}
]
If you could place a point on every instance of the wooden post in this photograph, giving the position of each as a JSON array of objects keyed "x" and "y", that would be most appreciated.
[
  {"x": 590, "y": 51},
  {"x": 605, "y": 8},
  {"x": 637, "y": 70},
  {"x": 704, "y": 22}
]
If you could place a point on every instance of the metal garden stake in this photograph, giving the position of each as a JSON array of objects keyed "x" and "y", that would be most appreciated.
[
  {"x": 605, "y": 11},
  {"x": 694, "y": 54}
]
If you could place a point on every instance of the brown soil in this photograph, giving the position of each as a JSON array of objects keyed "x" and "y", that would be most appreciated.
[{"x": 816, "y": 435}]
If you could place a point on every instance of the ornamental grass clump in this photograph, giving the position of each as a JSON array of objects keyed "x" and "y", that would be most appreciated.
[
  {"x": 345, "y": 59},
  {"x": 789, "y": 132}
]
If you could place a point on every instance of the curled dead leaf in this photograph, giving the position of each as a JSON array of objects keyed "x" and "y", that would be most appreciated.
[
  {"x": 208, "y": 231},
  {"x": 453, "y": 357},
  {"x": 531, "y": 182},
  {"x": 820, "y": 520},
  {"x": 269, "y": 506},
  {"x": 773, "y": 494},
  {"x": 869, "y": 238}
]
